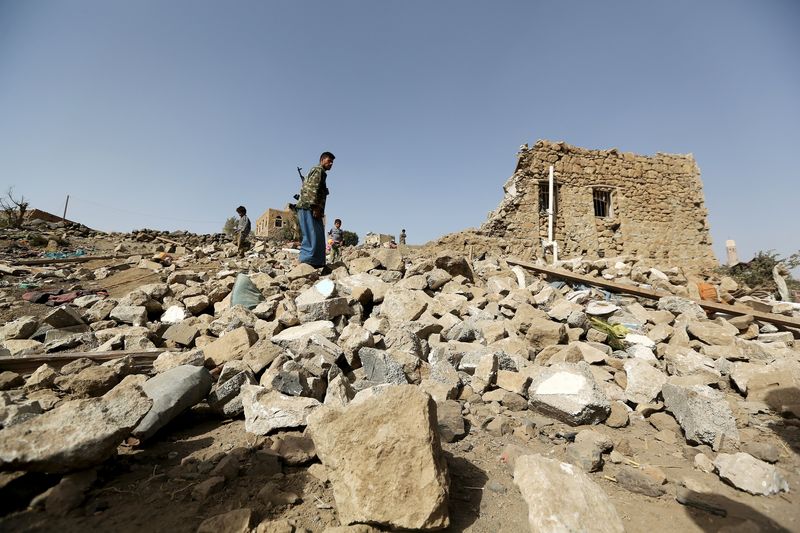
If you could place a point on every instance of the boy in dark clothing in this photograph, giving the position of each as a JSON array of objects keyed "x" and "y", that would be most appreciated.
[
  {"x": 242, "y": 231},
  {"x": 336, "y": 234}
]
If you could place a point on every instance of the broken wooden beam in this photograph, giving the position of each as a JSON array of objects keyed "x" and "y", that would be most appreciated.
[
  {"x": 655, "y": 295},
  {"x": 52, "y": 261},
  {"x": 169, "y": 241},
  {"x": 27, "y": 364}
]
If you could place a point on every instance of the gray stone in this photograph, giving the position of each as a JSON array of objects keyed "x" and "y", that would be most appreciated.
[
  {"x": 323, "y": 310},
  {"x": 381, "y": 367},
  {"x": 543, "y": 332},
  {"x": 20, "y": 412},
  {"x": 167, "y": 360},
  {"x": 130, "y": 314},
  {"x": 91, "y": 381},
  {"x": 181, "y": 333},
  {"x": 643, "y": 381},
  {"x": 236, "y": 521},
  {"x": 226, "y": 398},
  {"x": 568, "y": 392},
  {"x": 325, "y": 328},
  {"x": 232, "y": 345},
  {"x": 21, "y": 328},
  {"x": 196, "y": 304},
  {"x": 76, "y": 434},
  {"x": 561, "y": 498},
  {"x": 43, "y": 377},
  {"x": 747, "y": 473},
  {"x": 449, "y": 420},
  {"x": 485, "y": 373},
  {"x": 635, "y": 481},
  {"x": 677, "y": 305},
  {"x": 172, "y": 392},
  {"x": 64, "y": 317},
  {"x": 712, "y": 333},
  {"x": 67, "y": 495},
  {"x": 403, "y": 305},
  {"x": 10, "y": 380},
  {"x": 267, "y": 410},
  {"x": 585, "y": 456},
  {"x": 702, "y": 412}
]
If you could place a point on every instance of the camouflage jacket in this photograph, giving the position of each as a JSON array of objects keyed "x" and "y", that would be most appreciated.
[{"x": 314, "y": 191}]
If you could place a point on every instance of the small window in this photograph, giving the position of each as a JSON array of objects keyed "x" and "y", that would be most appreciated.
[
  {"x": 544, "y": 197},
  {"x": 278, "y": 222},
  {"x": 602, "y": 202}
]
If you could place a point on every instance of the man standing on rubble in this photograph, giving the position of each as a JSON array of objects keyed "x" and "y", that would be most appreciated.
[{"x": 311, "y": 212}]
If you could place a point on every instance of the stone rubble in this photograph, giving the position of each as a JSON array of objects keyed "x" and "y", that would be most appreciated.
[{"x": 386, "y": 355}]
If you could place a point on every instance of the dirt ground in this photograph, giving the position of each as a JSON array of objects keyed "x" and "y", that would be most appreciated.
[{"x": 146, "y": 488}]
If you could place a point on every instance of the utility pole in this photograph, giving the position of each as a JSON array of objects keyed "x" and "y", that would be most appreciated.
[{"x": 64, "y": 217}]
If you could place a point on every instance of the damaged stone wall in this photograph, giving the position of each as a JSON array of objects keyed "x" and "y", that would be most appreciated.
[{"x": 656, "y": 212}]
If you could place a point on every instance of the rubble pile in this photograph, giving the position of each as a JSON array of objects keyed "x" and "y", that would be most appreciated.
[{"x": 374, "y": 375}]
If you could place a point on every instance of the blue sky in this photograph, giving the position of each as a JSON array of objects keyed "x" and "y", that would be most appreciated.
[{"x": 169, "y": 114}]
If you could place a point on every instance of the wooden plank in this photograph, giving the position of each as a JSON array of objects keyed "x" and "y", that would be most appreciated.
[
  {"x": 27, "y": 364},
  {"x": 169, "y": 241},
  {"x": 655, "y": 295},
  {"x": 47, "y": 261}
]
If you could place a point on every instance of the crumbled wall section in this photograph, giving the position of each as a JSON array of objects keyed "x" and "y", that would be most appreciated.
[{"x": 657, "y": 205}]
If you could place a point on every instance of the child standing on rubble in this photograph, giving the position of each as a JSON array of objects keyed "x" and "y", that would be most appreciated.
[
  {"x": 242, "y": 231},
  {"x": 336, "y": 240}
]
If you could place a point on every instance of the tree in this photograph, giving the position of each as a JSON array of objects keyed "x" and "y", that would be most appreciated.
[
  {"x": 230, "y": 226},
  {"x": 350, "y": 238},
  {"x": 13, "y": 208},
  {"x": 758, "y": 271}
]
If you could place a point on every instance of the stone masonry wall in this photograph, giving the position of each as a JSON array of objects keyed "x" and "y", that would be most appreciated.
[{"x": 657, "y": 205}]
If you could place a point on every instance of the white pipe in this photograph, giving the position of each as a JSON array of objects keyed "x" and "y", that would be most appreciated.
[
  {"x": 550, "y": 214},
  {"x": 550, "y": 209}
]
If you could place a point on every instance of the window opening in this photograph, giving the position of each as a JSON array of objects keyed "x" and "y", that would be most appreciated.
[
  {"x": 278, "y": 222},
  {"x": 602, "y": 202},
  {"x": 544, "y": 196}
]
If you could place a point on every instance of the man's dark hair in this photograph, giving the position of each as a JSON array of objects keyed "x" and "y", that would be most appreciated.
[
  {"x": 241, "y": 210},
  {"x": 326, "y": 154},
  {"x": 339, "y": 220}
]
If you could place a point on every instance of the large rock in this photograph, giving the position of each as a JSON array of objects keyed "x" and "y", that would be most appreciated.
[
  {"x": 21, "y": 328},
  {"x": 181, "y": 333},
  {"x": 712, "y": 333},
  {"x": 294, "y": 334},
  {"x": 361, "y": 281},
  {"x": 91, "y": 381},
  {"x": 568, "y": 392},
  {"x": 130, "y": 314},
  {"x": 702, "y": 412},
  {"x": 63, "y": 317},
  {"x": 76, "y": 434},
  {"x": 266, "y": 410},
  {"x": 380, "y": 366},
  {"x": 321, "y": 303},
  {"x": 543, "y": 332},
  {"x": 384, "y": 460},
  {"x": 401, "y": 305},
  {"x": 677, "y": 305},
  {"x": 232, "y": 345},
  {"x": 172, "y": 392},
  {"x": 167, "y": 360},
  {"x": 561, "y": 498},
  {"x": 644, "y": 381},
  {"x": 747, "y": 473}
]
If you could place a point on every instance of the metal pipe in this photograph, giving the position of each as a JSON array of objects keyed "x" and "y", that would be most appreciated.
[{"x": 550, "y": 214}]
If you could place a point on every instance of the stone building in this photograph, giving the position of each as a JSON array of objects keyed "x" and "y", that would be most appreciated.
[
  {"x": 275, "y": 224},
  {"x": 607, "y": 203}
]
